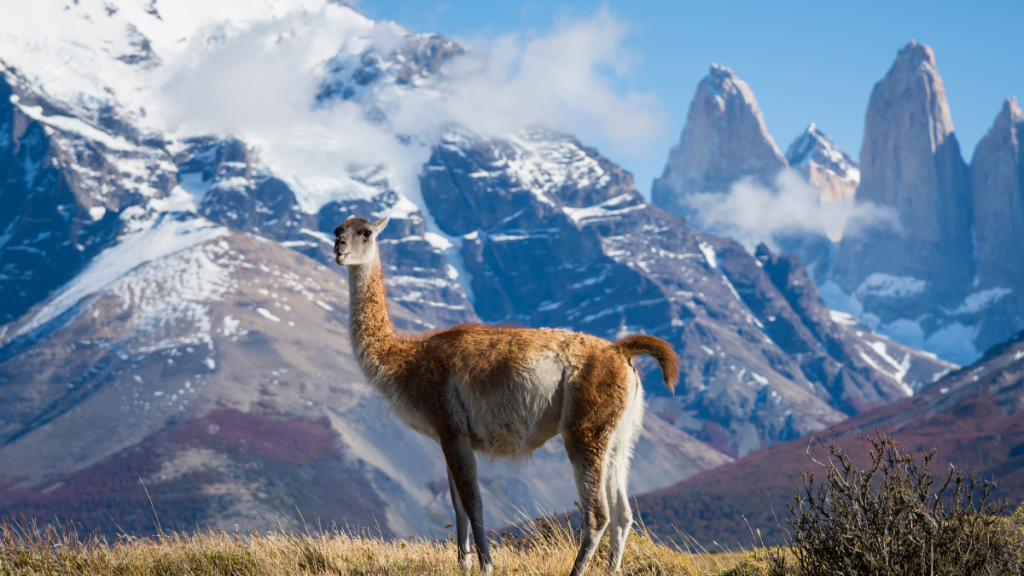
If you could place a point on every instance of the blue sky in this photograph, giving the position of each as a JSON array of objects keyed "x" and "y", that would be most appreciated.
[{"x": 806, "y": 61}]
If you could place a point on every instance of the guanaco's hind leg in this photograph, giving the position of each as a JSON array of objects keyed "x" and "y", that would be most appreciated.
[
  {"x": 461, "y": 526},
  {"x": 598, "y": 430},
  {"x": 462, "y": 466},
  {"x": 618, "y": 505},
  {"x": 617, "y": 483},
  {"x": 588, "y": 470}
]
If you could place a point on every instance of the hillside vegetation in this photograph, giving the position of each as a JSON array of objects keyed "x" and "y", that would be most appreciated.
[{"x": 548, "y": 548}]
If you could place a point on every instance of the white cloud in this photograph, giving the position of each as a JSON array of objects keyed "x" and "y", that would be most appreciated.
[
  {"x": 752, "y": 213},
  {"x": 557, "y": 81},
  {"x": 261, "y": 83}
]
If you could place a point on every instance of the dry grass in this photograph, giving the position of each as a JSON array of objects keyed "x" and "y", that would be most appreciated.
[{"x": 549, "y": 548}]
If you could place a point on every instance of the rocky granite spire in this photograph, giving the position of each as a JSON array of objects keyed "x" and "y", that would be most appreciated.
[
  {"x": 824, "y": 165},
  {"x": 997, "y": 187},
  {"x": 910, "y": 161},
  {"x": 724, "y": 139}
]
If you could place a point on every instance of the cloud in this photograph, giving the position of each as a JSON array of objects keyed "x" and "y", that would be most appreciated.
[
  {"x": 561, "y": 80},
  {"x": 261, "y": 83},
  {"x": 753, "y": 213}
]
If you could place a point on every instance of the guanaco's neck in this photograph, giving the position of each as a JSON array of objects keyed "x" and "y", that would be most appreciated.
[{"x": 377, "y": 348}]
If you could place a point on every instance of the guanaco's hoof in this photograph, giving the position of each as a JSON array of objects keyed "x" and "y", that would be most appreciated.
[{"x": 465, "y": 561}]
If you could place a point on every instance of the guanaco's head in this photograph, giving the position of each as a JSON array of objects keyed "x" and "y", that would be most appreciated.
[{"x": 355, "y": 241}]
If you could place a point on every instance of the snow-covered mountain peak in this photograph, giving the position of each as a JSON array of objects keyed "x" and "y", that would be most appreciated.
[
  {"x": 99, "y": 53},
  {"x": 542, "y": 161},
  {"x": 814, "y": 146},
  {"x": 173, "y": 71},
  {"x": 823, "y": 164},
  {"x": 405, "y": 60}
]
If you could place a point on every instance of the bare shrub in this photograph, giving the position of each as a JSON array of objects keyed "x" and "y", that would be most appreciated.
[{"x": 889, "y": 520}]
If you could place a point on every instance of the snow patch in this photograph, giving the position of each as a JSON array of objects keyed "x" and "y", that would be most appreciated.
[
  {"x": 169, "y": 293},
  {"x": 889, "y": 286},
  {"x": 318, "y": 235},
  {"x": 230, "y": 325},
  {"x": 603, "y": 211},
  {"x": 155, "y": 239},
  {"x": 77, "y": 127},
  {"x": 899, "y": 369},
  {"x": 953, "y": 342},
  {"x": 266, "y": 314},
  {"x": 709, "y": 254},
  {"x": 437, "y": 241},
  {"x": 843, "y": 318},
  {"x": 980, "y": 300}
]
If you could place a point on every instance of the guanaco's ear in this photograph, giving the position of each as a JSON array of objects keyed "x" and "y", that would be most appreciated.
[
  {"x": 380, "y": 224},
  {"x": 350, "y": 216}
]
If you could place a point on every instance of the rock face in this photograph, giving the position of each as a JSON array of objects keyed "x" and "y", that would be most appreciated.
[
  {"x": 997, "y": 188},
  {"x": 911, "y": 161},
  {"x": 241, "y": 193},
  {"x": 823, "y": 164},
  {"x": 60, "y": 192},
  {"x": 724, "y": 140}
]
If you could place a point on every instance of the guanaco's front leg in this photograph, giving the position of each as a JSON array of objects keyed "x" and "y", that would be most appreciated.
[
  {"x": 462, "y": 466},
  {"x": 461, "y": 526}
]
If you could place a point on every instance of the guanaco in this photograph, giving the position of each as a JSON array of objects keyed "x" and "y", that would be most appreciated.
[{"x": 504, "y": 392}]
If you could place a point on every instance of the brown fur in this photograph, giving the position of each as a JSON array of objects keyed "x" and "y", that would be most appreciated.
[
  {"x": 666, "y": 357},
  {"x": 476, "y": 388}
]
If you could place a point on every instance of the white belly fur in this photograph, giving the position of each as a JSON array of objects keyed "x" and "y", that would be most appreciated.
[{"x": 521, "y": 414}]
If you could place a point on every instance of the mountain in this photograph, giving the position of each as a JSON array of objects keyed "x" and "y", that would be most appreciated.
[
  {"x": 997, "y": 188},
  {"x": 155, "y": 276},
  {"x": 928, "y": 254},
  {"x": 974, "y": 418},
  {"x": 823, "y": 164},
  {"x": 62, "y": 183},
  {"x": 554, "y": 234},
  {"x": 945, "y": 280},
  {"x": 724, "y": 140},
  {"x": 241, "y": 193},
  {"x": 911, "y": 162}
]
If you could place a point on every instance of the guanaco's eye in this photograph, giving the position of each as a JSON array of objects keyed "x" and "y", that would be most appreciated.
[{"x": 366, "y": 235}]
